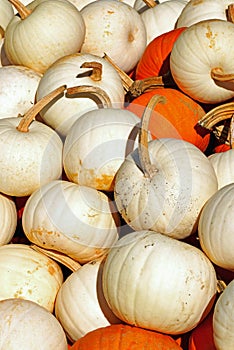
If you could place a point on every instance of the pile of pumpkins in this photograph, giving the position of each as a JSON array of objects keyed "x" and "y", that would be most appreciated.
[{"x": 116, "y": 174}]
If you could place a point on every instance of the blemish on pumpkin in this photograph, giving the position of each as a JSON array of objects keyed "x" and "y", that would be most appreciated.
[
  {"x": 211, "y": 37},
  {"x": 130, "y": 37},
  {"x": 51, "y": 269},
  {"x": 110, "y": 12}
]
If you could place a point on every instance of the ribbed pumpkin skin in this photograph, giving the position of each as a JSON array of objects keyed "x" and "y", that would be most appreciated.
[
  {"x": 177, "y": 118},
  {"x": 155, "y": 59},
  {"x": 125, "y": 337}
]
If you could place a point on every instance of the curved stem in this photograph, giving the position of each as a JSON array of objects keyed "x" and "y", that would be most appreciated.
[
  {"x": 216, "y": 115},
  {"x": 96, "y": 67},
  {"x": 147, "y": 167},
  {"x": 99, "y": 93},
  {"x": 22, "y": 10},
  {"x": 34, "y": 110},
  {"x": 219, "y": 75},
  {"x": 230, "y": 13},
  {"x": 150, "y": 3}
]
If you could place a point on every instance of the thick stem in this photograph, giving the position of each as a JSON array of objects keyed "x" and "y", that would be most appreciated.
[
  {"x": 150, "y": 3},
  {"x": 147, "y": 167},
  {"x": 230, "y": 13},
  {"x": 22, "y": 10},
  {"x": 33, "y": 111},
  {"x": 103, "y": 98},
  {"x": 96, "y": 67},
  {"x": 217, "y": 74},
  {"x": 2, "y": 32}
]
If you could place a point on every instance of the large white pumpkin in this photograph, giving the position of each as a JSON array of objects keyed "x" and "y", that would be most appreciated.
[
  {"x": 8, "y": 219},
  {"x": 159, "y": 283}
]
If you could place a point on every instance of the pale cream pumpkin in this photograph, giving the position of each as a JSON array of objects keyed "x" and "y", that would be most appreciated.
[
  {"x": 215, "y": 231},
  {"x": 44, "y": 33},
  {"x": 27, "y": 274},
  {"x": 26, "y": 325},
  {"x": 200, "y": 61},
  {"x": 159, "y": 283},
  {"x": 80, "y": 304},
  {"x": 114, "y": 28},
  {"x": 6, "y": 14},
  {"x": 223, "y": 319},
  {"x": 87, "y": 228},
  {"x": 8, "y": 219}
]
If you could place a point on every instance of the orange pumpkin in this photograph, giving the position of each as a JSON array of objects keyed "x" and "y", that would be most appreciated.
[
  {"x": 201, "y": 337},
  {"x": 125, "y": 337},
  {"x": 155, "y": 59},
  {"x": 176, "y": 118}
]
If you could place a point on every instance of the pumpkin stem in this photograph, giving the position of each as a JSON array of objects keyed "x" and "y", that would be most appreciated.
[
  {"x": 34, "y": 110},
  {"x": 150, "y": 3},
  {"x": 147, "y": 167},
  {"x": 215, "y": 116},
  {"x": 218, "y": 75},
  {"x": 22, "y": 10},
  {"x": 70, "y": 263},
  {"x": 230, "y": 13},
  {"x": 2, "y": 32},
  {"x": 96, "y": 67},
  {"x": 99, "y": 93}
]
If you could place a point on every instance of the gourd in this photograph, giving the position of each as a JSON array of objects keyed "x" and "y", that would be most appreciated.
[
  {"x": 223, "y": 321},
  {"x": 17, "y": 90},
  {"x": 75, "y": 71},
  {"x": 31, "y": 152},
  {"x": 161, "y": 185},
  {"x": 44, "y": 33},
  {"x": 124, "y": 337},
  {"x": 80, "y": 305},
  {"x": 85, "y": 231},
  {"x": 121, "y": 29},
  {"x": 200, "y": 64},
  {"x": 8, "y": 221},
  {"x": 26, "y": 325},
  {"x": 215, "y": 228},
  {"x": 27, "y": 274},
  {"x": 171, "y": 285}
]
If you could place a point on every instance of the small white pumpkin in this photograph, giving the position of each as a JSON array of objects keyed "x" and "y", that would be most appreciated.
[
  {"x": 215, "y": 228},
  {"x": 200, "y": 61},
  {"x": 26, "y": 325},
  {"x": 159, "y": 283},
  {"x": 6, "y": 14},
  {"x": 27, "y": 274},
  {"x": 44, "y": 33},
  {"x": 78, "y": 221},
  {"x": 223, "y": 319},
  {"x": 114, "y": 28},
  {"x": 80, "y": 305},
  {"x": 17, "y": 90},
  {"x": 8, "y": 219}
]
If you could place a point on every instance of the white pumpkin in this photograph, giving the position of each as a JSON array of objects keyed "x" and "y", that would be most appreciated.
[
  {"x": 27, "y": 274},
  {"x": 77, "y": 70},
  {"x": 96, "y": 145},
  {"x": 215, "y": 228},
  {"x": 223, "y": 166},
  {"x": 200, "y": 61},
  {"x": 26, "y": 325},
  {"x": 76, "y": 220},
  {"x": 159, "y": 283},
  {"x": 80, "y": 304},
  {"x": 114, "y": 28},
  {"x": 6, "y": 14},
  {"x": 223, "y": 319},
  {"x": 17, "y": 90},
  {"x": 8, "y": 219},
  {"x": 44, "y": 33}
]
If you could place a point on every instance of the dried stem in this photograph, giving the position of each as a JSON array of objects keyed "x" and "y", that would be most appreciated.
[
  {"x": 100, "y": 94},
  {"x": 147, "y": 167},
  {"x": 150, "y": 3},
  {"x": 96, "y": 70},
  {"x": 230, "y": 13},
  {"x": 2, "y": 32},
  {"x": 34, "y": 110},
  {"x": 219, "y": 75},
  {"x": 216, "y": 115},
  {"x": 22, "y": 10}
]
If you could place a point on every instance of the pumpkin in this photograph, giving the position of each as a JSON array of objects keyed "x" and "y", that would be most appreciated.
[
  {"x": 26, "y": 325},
  {"x": 215, "y": 227},
  {"x": 165, "y": 182},
  {"x": 80, "y": 305},
  {"x": 42, "y": 34},
  {"x": 92, "y": 217},
  {"x": 223, "y": 320},
  {"x": 27, "y": 274},
  {"x": 31, "y": 152},
  {"x": 74, "y": 71},
  {"x": 8, "y": 222},
  {"x": 201, "y": 338},
  {"x": 170, "y": 285},
  {"x": 155, "y": 58},
  {"x": 124, "y": 337},
  {"x": 6, "y": 14},
  {"x": 200, "y": 62},
  {"x": 121, "y": 29},
  {"x": 17, "y": 90},
  {"x": 176, "y": 118}
]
